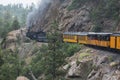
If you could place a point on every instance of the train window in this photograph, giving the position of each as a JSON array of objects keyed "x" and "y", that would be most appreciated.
[
  {"x": 103, "y": 37},
  {"x": 95, "y": 37},
  {"x": 106, "y": 38},
  {"x": 82, "y": 38},
  {"x": 72, "y": 37},
  {"x": 92, "y": 37},
  {"x": 100, "y": 37},
  {"x": 68, "y": 36},
  {"x": 89, "y": 37}
]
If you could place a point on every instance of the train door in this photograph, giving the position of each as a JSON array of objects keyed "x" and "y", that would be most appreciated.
[
  {"x": 118, "y": 43},
  {"x": 113, "y": 42},
  {"x": 105, "y": 40},
  {"x": 82, "y": 39},
  {"x": 98, "y": 40},
  {"x": 92, "y": 39}
]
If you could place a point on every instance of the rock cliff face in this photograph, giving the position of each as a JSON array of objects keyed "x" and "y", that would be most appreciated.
[
  {"x": 75, "y": 20},
  {"x": 83, "y": 18}
]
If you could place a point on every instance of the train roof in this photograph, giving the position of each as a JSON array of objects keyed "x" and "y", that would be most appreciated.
[
  {"x": 99, "y": 33},
  {"x": 88, "y": 33},
  {"x": 76, "y": 33},
  {"x": 116, "y": 34}
]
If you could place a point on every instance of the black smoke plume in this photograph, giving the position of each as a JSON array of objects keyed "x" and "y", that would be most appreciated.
[{"x": 35, "y": 18}]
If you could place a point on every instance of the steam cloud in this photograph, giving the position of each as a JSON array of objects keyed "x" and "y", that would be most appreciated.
[{"x": 38, "y": 14}]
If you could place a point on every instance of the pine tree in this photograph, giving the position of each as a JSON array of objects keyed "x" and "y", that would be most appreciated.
[
  {"x": 15, "y": 24},
  {"x": 6, "y": 23},
  {"x": 1, "y": 60},
  {"x": 10, "y": 66},
  {"x": 54, "y": 57},
  {"x": 50, "y": 57}
]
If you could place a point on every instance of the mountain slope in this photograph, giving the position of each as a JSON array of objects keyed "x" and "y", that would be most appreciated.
[{"x": 78, "y": 15}]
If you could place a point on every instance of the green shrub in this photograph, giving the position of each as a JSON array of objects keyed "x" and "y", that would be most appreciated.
[
  {"x": 105, "y": 9},
  {"x": 76, "y": 4},
  {"x": 83, "y": 55},
  {"x": 11, "y": 66},
  {"x": 45, "y": 56},
  {"x": 97, "y": 28},
  {"x": 70, "y": 49}
]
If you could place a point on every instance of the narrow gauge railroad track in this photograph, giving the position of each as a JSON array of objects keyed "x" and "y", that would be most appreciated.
[
  {"x": 103, "y": 52},
  {"x": 106, "y": 49}
]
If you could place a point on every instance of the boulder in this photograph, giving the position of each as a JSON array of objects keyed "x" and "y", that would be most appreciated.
[
  {"x": 14, "y": 37},
  {"x": 115, "y": 75},
  {"x": 22, "y": 78},
  {"x": 116, "y": 63},
  {"x": 101, "y": 59},
  {"x": 80, "y": 69}
]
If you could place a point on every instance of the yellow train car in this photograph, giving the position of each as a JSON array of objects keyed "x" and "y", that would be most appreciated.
[
  {"x": 75, "y": 37},
  {"x": 115, "y": 41},
  {"x": 110, "y": 40},
  {"x": 70, "y": 37},
  {"x": 118, "y": 42},
  {"x": 99, "y": 39},
  {"x": 82, "y": 37},
  {"x": 92, "y": 38},
  {"x": 103, "y": 39}
]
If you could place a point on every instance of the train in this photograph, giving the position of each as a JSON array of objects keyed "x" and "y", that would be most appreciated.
[
  {"x": 39, "y": 36},
  {"x": 102, "y": 39}
]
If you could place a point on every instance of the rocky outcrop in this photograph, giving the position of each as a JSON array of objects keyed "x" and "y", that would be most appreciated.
[
  {"x": 80, "y": 70},
  {"x": 16, "y": 41},
  {"x": 22, "y": 78},
  {"x": 90, "y": 64},
  {"x": 75, "y": 20},
  {"x": 83, "y": 18},
  {"x": 15, "y": 37}
]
